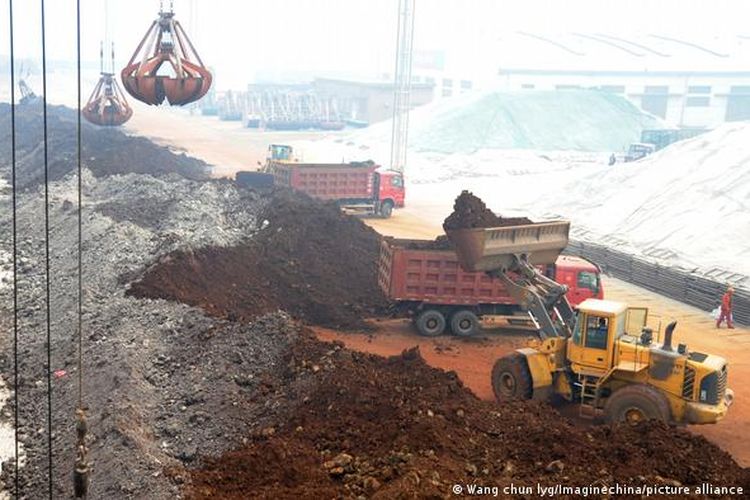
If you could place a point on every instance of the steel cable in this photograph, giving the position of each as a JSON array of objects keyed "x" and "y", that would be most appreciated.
[
  {"x": 47, "y": 249},
  {"x": 81, "y": 469},
  {"x": 15, "y": 244},
  {"x": 80, "y": 214}
]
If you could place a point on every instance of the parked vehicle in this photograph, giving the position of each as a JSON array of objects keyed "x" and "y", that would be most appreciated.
[
  {"x": 357, "y": 187},
  {"x": 653, "y": 140},
  {"x": 639, "y": 150}
]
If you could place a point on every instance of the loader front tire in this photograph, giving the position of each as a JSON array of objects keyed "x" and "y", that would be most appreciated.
[
  {"x": 637, "y": 403},
  {"x": 511, "y": 379}
]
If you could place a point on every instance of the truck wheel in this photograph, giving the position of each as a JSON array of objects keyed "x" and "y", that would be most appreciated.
[
  {"x": 464, "y": 323},
  {"x": 386, "y": 209},
  {"x": 634, "y": 404},
  {"x": 431, "y": 323},
  {"x": 511, "y": 379}
]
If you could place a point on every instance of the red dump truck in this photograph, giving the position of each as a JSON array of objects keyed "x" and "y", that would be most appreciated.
[
  {"x": 358, "y": 187},
  {"x": 425, "y": 279}
]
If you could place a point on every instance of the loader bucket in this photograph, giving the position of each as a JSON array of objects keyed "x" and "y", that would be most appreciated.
[{"x": 493, "y": 248}]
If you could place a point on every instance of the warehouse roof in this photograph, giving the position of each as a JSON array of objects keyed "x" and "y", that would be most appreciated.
[
  {"x": 376, "y": 84},
  {"x": 609, "y": 53}
]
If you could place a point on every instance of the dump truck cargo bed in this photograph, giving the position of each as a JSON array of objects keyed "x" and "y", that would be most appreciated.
[
  {"x": 493, "y": 248},
  {"x": 424, "y": 279},
  {"x": 410, "y": 271},
  {"x": 328, "y": 181}
]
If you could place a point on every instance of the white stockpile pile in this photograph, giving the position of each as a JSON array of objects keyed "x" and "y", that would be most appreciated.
[
  {"x": 691, "y": 199},
  {"x": 565, "y": 120},
  {"x": 688, "y": 205},
  {"x": 479, "y": 134}
]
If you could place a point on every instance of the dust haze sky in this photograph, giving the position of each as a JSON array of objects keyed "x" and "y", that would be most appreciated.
[{"x": 240, "y": 38}]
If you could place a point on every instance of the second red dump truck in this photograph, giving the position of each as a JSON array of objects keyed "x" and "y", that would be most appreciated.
[
  {"x": 425, "y": 279},
  {"x": 359, "y": 187}
]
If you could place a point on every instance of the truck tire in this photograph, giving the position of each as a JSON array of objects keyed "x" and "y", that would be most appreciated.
[
  {"x": 386, "y": 209},
  {"x": 464, "y": 323},
  {"x": 511, "y": 379},
  {"x": 634, "y": 404},
  {"x": 431, "y": 323}
]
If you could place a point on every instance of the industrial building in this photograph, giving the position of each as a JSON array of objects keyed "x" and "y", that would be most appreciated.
[
  {"x": 370, "y": 101},
  {"x": 687, "y": 82}
]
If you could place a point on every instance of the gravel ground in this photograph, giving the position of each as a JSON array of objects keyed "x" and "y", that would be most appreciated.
[{"x": 162, "y": 381}]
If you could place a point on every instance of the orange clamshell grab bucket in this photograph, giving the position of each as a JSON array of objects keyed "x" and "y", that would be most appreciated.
[
  {"x": 166, "y": 49},
  {"x": 107, "y": 105}
]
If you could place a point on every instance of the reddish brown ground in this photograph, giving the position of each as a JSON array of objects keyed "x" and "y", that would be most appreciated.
[
  {"x": 472, "y": 359},
  {"x": 227, "y": 145},
  {"x": 398, "y": 428}
]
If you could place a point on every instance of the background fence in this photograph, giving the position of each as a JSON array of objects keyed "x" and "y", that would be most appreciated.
[{"x": 679, "y": 284}]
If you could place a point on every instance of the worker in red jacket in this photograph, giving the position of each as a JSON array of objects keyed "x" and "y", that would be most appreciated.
[{"x": 726, "y": 309}]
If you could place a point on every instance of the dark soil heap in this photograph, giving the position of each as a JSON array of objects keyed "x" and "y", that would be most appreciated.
[
  {"x": 440, "y": 243},
  {"x": 396, "y": 428},
  {"x": 311, "y": 260},
  {"x": 102, "y": 151},
  {"x": 471, "y": 212}
]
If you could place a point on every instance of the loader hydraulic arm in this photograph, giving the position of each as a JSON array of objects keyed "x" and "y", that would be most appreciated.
[{"x": 542, "y": 297}]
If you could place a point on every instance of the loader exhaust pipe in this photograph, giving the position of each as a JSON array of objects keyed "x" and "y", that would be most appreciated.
[{"x": 668, "y": 336}]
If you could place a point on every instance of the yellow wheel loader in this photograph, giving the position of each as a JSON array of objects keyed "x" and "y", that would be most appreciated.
[{"x": 601, "y": 356}]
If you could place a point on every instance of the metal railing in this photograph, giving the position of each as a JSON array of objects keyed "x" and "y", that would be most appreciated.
[{"x": 688, "y": 286}]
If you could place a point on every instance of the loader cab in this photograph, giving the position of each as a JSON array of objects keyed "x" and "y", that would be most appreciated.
[{"x": 598, "y": 324}]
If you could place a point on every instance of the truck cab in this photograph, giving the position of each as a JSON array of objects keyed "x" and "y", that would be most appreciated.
[
  {"x": 390, "y": 188},
  {"x": 582, "y": 278}
]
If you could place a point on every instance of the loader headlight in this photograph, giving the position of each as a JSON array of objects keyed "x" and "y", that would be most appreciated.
[{"x": 729, "y": 397}]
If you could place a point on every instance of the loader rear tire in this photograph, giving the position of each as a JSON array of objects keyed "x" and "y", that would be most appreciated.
[
  {"x": 634, "y": 404},
  {"x": 511, "y": 379},
  {"x": 431, "y": 323}
]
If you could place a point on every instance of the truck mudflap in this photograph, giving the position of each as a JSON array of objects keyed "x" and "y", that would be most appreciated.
[
  {"x": 700, "y": 413},
  {"x": 541, "y": 375}
]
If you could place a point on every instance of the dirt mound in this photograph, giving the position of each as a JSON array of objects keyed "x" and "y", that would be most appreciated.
[
  {"x": 309, "y": 259},
  {"x": 395, "y": 428},
  {"x": 105, "y": 151},
  {"x": 470, "y": 212},
  {"x": 440, "y": 243}
]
